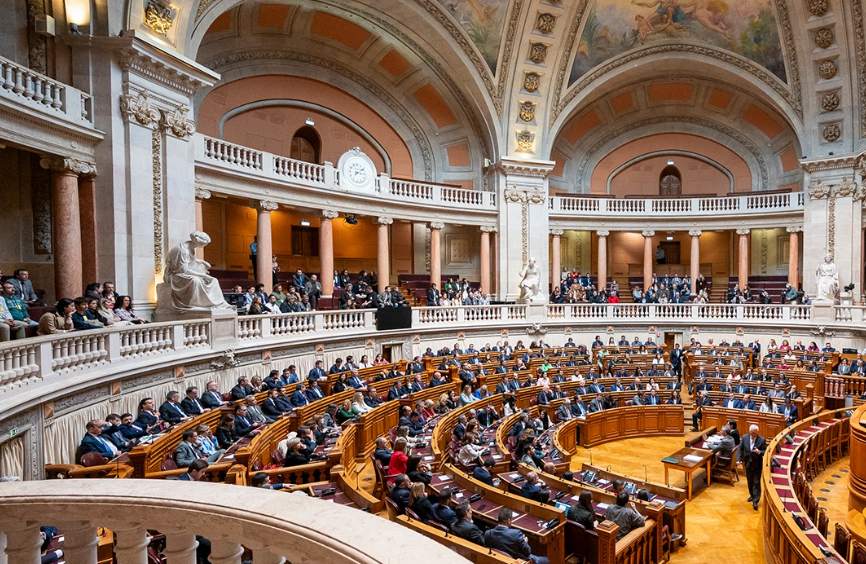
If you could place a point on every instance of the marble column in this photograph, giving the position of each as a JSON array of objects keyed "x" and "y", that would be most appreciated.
[
  {"x": 87, "y": 211},
  {"x": 794, "y": 255},
  {"x": 602, "y": 259},
  {"x": 326, "y": 252},
  {"x": 556, "y": 258},
  {"x": 383, "y": 255},
  {"x": 267, "y": 557},
  {"x": 264, "y": 256},
  {"x": 180, "y": 548},
  {"x": 67, "y": 232},
  {"x": 647, "y": 258},
  {"x": 225, "y": 552},
  {"x": 695, "y": 261},
  {"x": 495, "y": 262},
  {"x": 81, "y": 543},
  {"x": 436, "y": 228},
  {"x": 743, "y": 263},
  {"x": 131, "y": 545},
  {"x": 485, "y": 258},
  {"x": 200, "y": 195},
  {"x": 23, "y": 545}
]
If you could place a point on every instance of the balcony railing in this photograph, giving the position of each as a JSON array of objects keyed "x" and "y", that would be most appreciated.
[
  {"x": 45, "y": 95},
  {"x": 726, "y": 205}
]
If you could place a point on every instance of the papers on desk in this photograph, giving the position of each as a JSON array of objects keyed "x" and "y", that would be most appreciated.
[
  {"x": 514, "y": 476},
  {"x": 575, "y": 497},
  {"x": 602, "y": 506},
  {"x": 602, "y": 482},
  {"x": 497, "y": 456},
  {"x": 458, "y": 495},
  {"x": 692, "y": 458},
  {"x": 582, "y": 417},
  {"x": 430, "y": 457},
  {"x": 442, "y": 478}
]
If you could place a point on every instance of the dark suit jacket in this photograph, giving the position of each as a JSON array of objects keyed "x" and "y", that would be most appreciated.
[
  {"x": 481, "y": 474},
  {"x": 752, "y": 461},
  {"x": 313, "y": 396},
  {"x": 211, "y": 399},
  {"x": 146, "y": 419},
  {"x": 243, "y": 425},
  {"x": 510, "y": 541},
  {"x": 239, "y": 393},
  {"x": 432, "y": 297},
  {"x": 401, "y": 497},
  {"x": 190, "y": 408},
  {"x": 169, "y": 412},
  {"x": 271, "y": 408},
  {"x": 299, "y": 399},
  {"x": 468, "y": 530},
  {"x": 93, "y": 444}
]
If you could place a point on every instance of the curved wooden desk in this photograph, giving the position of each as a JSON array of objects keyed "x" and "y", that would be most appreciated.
[{"x": 619, "y": 423}]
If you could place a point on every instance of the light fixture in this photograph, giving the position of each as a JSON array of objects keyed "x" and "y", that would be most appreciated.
[
  {"x": 670, "y": 162},
  {"x": 310, "y": 122},
  {"x": 77, "y": 14},
  {"x": 669, "y": 238},
  {"x": 305, "y": 223}
]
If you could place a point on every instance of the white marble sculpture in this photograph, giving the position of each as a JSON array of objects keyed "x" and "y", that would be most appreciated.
[
  {"x": 192, "y": 288},
  {"x": 827, "y": 280},
  {"x": 530, "y": 283}
]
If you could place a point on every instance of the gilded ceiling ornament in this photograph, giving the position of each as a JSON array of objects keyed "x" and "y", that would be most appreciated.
[
  {"x": 827, "y": 69},
  {"x": 831, "y": 132},
  {"x": 537, "y": 52},
  {"x": 818, "y": 7},
  {"x": 527, "y": 111},
  {"x": 830, "y": 101},
  {"x": 531, "y": 81},
  {"x": 824, "y": 37},
  {"x": 818, "y": 191},
  {"x": 525, "y": 140},
  {"x": 545, "y": 23},
  {"x": 158, "y": 16}
]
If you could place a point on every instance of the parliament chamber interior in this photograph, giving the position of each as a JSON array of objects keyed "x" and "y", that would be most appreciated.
[{"x": 446, "y": 281}]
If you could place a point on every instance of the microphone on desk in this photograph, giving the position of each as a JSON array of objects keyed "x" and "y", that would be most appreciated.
[
  {"x": 608, "y": 468},
  {"x": 590, "y": 456}
]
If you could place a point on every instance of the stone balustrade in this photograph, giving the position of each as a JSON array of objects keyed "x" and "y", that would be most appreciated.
[
  {"x": 297, "y": 528},
  {"x": 37, "y": 92}
]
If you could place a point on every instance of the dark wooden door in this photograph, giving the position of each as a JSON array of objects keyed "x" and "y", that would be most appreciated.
[{"x": 672, "y": 251}]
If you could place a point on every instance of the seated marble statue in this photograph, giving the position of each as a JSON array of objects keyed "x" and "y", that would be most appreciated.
[
  {"x": 192, "y": 288},
  {"x": 827, "y": 279},
  {"x": 530, "y": 282}
]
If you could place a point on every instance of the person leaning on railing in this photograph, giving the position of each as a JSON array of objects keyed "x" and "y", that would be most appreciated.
[{"x": 57, "y": 321}]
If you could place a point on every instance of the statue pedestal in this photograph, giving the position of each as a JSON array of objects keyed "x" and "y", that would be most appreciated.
[
  {"x": 823, "y": 311},
  {"x": 224, "y": 322},
  {"x": 846, "y": 298},
  {"x": 536, "y": 312}
]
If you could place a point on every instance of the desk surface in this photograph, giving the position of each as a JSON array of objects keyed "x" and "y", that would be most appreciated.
[{"x": 683, "y": 452}]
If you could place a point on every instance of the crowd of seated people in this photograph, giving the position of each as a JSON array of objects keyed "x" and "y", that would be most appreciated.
[
  {"x": 577, "y": 288},
  {"x": 100, "y": 307},
  {"x": 460, "y": 292},
  {"x": 666, "y": 290},
  {"x": 790, "y": 295}
]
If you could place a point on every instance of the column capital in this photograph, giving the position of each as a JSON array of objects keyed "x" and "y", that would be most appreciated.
[
  {"x": 695, "y": 233},
  {"x": 818, "y": 191},
  {"x": 384, "y": 220},
  {"x": 177, "y": 123},
  {"x": 556, "y": 232},
  {"x": 264, "y": 205},
  {"x": 743, "y": 231},
  {"x": 603, "y": 233},
  {"x": 139, "y": 109},
  {"x": 202, "y": 193},
  {"x": 845, "y": 189},
  {"x": 648, "y": 233},
  {"x": 330, "y": 214},
  {"x": 487, "y": 228},
  {"x": 68, "y": 165},
  {"x": 436, "y": 225},
  {"x": 794, "y": 229}
]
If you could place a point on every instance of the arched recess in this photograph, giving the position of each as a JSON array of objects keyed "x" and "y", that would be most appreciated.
[
  {"x": 306, "y": 145},
  {"x": 316, "y": 108},
  {"x": 670, "y": 181},
  {"x": 670, "y": 153}
]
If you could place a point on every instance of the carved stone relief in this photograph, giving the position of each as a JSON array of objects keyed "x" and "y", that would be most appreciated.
[
  {"x": 823, "y": 38},
  {"x": 818, "y": 7},
  {"x": 827, "y": 69},
  {"x": 537, "y": 53},
  {"x": 158, "y": 16},
  {"x": 40, "y": 201},
  {"x": 525, "y": 140},
  {"x": 860, "y": 49},
  {"x": 37, "y": 46},
  {"x": 156, "y": 146},
  {"x": 531, "y": 81},
  {"x": 527, "y": 110},
  {"x": 545, "y": 23},
  {"x": 830, "y": 101},
  {"x": 831, "y": 132}
]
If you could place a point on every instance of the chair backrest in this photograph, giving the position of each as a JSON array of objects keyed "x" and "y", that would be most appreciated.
[
  {"x": 823, "y": 521},
  {"x": 412, "y": 514},
  {"x": 93, "y": 459},
  {"x": 437, "y": 525},
  {"x": 393, "y": 508},
  {"x": 277, "y": 457},
  {"x": 168, "y": 464},
  {"x": 858, "y": 553},
  {"x": 842, "y": 541},
  {"x": 512, "y": 443}
]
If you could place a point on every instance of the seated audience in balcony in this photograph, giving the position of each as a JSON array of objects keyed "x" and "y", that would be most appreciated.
[
  {"x": 171, "y": 411},
  {"x": 271, "y": 306},
  {"x": 93, "y": 290},
  {"x": 257, "y": 306},
  {"x": 57, "y": 321},
  {"x": 104, "y": 310},
  {"x": 130, "y": 429},
  {"x": 82, "y": 318},
  {"x": 433, "y": 296},
  {"x": 313, "y": 290},
  {"x": 24, "y": 287},
  {"x": 15, "y": 305},
  {"x": 93, "y": 441},
  {"x": 299, "y": 279}
]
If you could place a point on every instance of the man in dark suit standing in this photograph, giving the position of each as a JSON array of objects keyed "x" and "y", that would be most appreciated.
[
  {"x": 432, "y": 296},
  {"x": 751, "y": 454},
  {"x": 676, "y": 359}
]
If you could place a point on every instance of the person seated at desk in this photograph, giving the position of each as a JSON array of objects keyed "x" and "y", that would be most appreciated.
[
  {"x": 768, "y": 406},
  {"x": 731, "y": 402},
  {"x": 482, "y": 473},
  {"x": 244, "y": 426},
  {"x": 652, "y": 398},
  {"x": 399, "y": 462},
  {"x": 271, "y": 408},
  {"x": 674, "y": 399},
  {"x": 533, "y": 488},
  {"x": 129, "y": 428},
  {"x": 171, "y": 411},
  {"x": 725, "y": 447},
  {"x": 793, "y": 393},
  {"x": 442, "y": 509},
  {"x": 582, "y": 511},
  {"x": 418, "y": 471},
  {"x": 148, "y": 418},
  {"x": 487, "y": 416},
  {"x": 191, "y": 404},
  {"x": 93, "y": 441},
  {"x": 639, "y": 398},
  {"x": 624, "y": 513},
  {"x": 510, "y": 541},
  {"x": 470, "y": 453},
  {"x": 400, "y": 493},
  {"x": 545, "y": 396},
  {"x": 578, "y": 407},
  {"x": 419, "y": 502},
  {"x": 195, "y": 473},
  {"x": 299, "y": 398},
  {"x": 748, "y": 403},
  {"x": 189, "y": 450},
  {"x": 382, "y": 452},
  {"x": 464, "y": 527},
  {"x": 226, "y": 433},
  {"x": 296, "y": 453},
  {"x": 112, "y": 432},
  {"x": 314, "y": 392},
  {"x": 563, "y": 412}
]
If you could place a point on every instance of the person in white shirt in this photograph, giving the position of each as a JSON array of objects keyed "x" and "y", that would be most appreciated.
[{"x": 271, "y": 306}]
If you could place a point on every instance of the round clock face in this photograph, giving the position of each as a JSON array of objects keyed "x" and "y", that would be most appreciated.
[{"x": 357, "y": 172}]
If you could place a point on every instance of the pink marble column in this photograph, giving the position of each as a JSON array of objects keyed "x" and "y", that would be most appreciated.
[
  {"x": 495, "y": 262},
  {"x": 67, "y": 232},
  {"x": 264, "y": 256},
  {"x": 602, "y": 259},
  {"x": 485, "y": 259},
  {"x": 556, "y": 258},
  {"x": 794, "y": 256},
  {"x": 326, "y": 252},
  {"x": 743, "y": 263},
  {"x": 435, "y": 254},
  {"x": 383, "y": 262},
  {"x": 648, "y": 258},
  {"x": 695, "y": 261},
  {"x": 89, "y": 242},
  {"x": 200, "y": 195}
]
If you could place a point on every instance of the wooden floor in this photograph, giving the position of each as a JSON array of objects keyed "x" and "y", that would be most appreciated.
[{"x": 719, "y": 520}]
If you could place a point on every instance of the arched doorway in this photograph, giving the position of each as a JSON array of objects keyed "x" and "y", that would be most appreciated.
[
  {"x": 306, "y": 145},
  {"x": 670, "y": 182}
]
